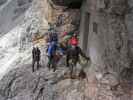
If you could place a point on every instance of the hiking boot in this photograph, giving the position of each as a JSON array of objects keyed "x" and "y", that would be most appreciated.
[
  {"x": 48, "y": 66},
  {"x": 54, "y": 68}
]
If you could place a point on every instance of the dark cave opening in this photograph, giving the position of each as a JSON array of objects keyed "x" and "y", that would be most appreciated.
[{"x": 73, "y": 4}]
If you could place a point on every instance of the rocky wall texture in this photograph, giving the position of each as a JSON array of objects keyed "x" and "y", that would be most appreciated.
[
  {"x": 105, "y": 35},
  {"x": 20, "y": 22},
  {"x": 109, "y": 48},
  {"x": 62, "y": 16}
]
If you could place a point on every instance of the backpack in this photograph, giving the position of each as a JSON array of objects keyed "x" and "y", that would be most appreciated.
[{"x": 54, "y": 36}]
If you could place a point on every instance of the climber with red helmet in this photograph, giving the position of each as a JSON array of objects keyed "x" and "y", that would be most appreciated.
[{"x": 73, "y": 54}]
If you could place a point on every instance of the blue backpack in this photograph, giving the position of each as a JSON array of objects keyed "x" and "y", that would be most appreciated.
[{"x": 52, "y": 48}]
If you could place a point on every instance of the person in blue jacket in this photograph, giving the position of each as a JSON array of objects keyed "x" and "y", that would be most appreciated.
[{"x": 51, "y": 53}]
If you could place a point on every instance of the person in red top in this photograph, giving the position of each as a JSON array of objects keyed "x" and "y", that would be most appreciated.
[{"x": 74, "y": 40}]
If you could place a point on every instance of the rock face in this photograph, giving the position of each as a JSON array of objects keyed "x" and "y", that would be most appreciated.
[
  {"x": 22, "y": 84},
  {"x": 2, "y": 2},
  {"x": 70, "y": 4},
  {"x": 105, "y": 36},
  {"x": 63, "y": 17},
  {"x": 12, "y": 12},
  {"x": 29, "y": 21}
]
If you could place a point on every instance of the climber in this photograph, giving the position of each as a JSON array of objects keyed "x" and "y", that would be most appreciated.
[
  {"x": 73, "y": 54},
  {"x": 51, "y": 48},
  {"x": 35, "y": 57},
  {"x": 52, "y": 37},
  {"x": 69, "y": 37},
  {"x": 51, "y": 53}
]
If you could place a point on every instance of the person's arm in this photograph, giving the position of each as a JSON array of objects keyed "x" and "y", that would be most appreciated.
[
  {"x": 39, "y": 52},
  {"x": 33, "y": 54},
  {"x": 67, "y": 58},
  {"x": 83, "y": 54}
]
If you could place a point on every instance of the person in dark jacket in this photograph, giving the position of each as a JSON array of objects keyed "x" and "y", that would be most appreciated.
[
  {"x": 35, "y": 57},
  {"x": 73, "y": 54}
]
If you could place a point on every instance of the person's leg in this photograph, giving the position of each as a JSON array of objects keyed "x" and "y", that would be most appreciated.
[
  {"x": 69, "y": 65},
  {"x": 73, "y": 70},
  {"x": 53, "y": 62},
  {"x": 67, "y": 61},
  {"x": 38, "y": 65},
  {"x": 54, "y": 67},
  {"x": 49, "y": 62},
  {"x": 33, "y": 64}
]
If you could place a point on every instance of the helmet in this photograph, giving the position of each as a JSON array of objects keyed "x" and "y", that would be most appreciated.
[{"x": 74, "y": 42}]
